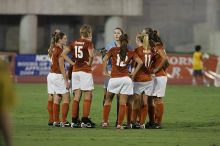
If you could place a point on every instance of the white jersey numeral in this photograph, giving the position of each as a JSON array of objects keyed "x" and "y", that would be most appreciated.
[
  {"x": 119, "y": 62},
  {"x": 78, "y": 52},
  {"x": 147, "y": 61}
]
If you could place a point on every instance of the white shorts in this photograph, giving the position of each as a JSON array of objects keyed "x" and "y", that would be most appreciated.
[
  {"x": 82, "y": 80},
  {"x": 56, "y": 84},
  {"x": 146, "y": 87},
  {"x": 159, "y": 86},
  {"x": 122, "y": 85}
]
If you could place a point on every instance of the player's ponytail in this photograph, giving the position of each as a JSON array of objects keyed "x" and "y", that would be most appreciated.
[{"x": 123, "y": 46}]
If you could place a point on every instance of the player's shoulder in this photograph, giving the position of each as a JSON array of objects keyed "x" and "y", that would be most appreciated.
[{"x": 110, "y": 45}]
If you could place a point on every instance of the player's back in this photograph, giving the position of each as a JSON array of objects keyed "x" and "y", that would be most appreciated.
[
  {"x": 80, "y": 49},
  {"x": 120, "y": 67},
  {"x": 144, "y": 73},
  {"x": 55, "y": 68}
]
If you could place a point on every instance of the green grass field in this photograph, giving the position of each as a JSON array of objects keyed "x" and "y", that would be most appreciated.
[{"x": 192, "y": 118}]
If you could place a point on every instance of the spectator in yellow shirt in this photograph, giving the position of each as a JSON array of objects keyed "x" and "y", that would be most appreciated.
[
  {"x": 6, "y": 102},
  {"x": 197, "y": 65}
]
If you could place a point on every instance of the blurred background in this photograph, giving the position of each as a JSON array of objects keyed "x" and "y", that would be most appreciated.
[{"x": 26, "y": 25}]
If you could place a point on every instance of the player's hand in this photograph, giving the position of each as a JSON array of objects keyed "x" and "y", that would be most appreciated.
[
  {"x": 106, "y": 74},
  {"x": 67, "y": 85},
  {"x": 87, "y": 63},
  {"x": 131, "y": 75}
]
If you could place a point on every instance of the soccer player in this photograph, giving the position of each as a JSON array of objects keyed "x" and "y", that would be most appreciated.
[
  {"x": 58, "y": 83},
  {"x": 143, "y": 83},
  {"x": 82, "y": 80},
  {"x": 160, "y": 79},
  {"x": 120, "y": 82},
  {"x": 50, "y": 96},
  {"x": 117, "y": 32},
  {"x": 198, "y": 66}
]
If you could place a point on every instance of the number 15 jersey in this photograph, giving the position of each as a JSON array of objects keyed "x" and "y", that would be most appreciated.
[
  {"x": 80, "y": 52},
  {"x": 120, "y": 67}
]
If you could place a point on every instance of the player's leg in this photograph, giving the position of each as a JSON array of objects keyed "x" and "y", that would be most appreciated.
[
  {"x": 135, "y": 110},
  {"x": 159, "y": 110},
  {"x": 56, "y": 110},
  {"x": 86, "y": 85},
  {"x": 107, "y": 108},
  {"x": 65, "y": 109},
  {"x": 50, "y": 109},
  {"x": 143, "y": 110},
  {"x": 75, "y": 108},
  {"x": 50, "y": 99}
]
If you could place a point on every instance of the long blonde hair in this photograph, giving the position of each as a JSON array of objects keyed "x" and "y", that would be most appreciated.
[{"x": 144, "y": 39}]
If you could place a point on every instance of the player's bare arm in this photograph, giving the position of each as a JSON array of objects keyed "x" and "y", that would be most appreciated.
[
  {"x": 105, "y": 71},
  {"x": 66, "y": 50},
  {"x": 139, "y": 65},
  {"x": 163, "y": 61}
]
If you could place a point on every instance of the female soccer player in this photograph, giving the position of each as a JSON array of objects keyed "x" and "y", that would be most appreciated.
[
  {"x": 160, "y": 79},
  {"x": 143, "y": 84},
  {"x": 117, "y": 32},
  {"x": 50, "y": 96},
  {"x": 57, "y": 81},
  {"x": 120, "y": 82},
  {"x": 82, "y": 80}
]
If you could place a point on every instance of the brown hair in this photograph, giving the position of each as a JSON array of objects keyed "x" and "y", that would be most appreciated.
[
  {"x": 122, "y": 32},
  {"x": 85, "y": 31},
  {"x": 153, "y": 36},
  {"x": 124, "y": 46}
]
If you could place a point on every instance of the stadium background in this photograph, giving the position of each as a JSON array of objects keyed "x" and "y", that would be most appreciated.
[{"x": 25, "y": 28}]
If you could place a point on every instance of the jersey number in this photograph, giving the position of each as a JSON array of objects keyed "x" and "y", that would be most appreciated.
[
  {"x": 147, "y": 62},
  {"x": 119, "y": 62},
  {"x": 78, "y": 52}
]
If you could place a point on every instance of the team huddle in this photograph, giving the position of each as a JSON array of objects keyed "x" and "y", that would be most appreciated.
[{"x": 136, "y": 76}]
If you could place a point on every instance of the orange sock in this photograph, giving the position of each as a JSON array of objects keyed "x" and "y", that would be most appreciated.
[
  {"x": 65, "y": 109},
  {"x": 86, "y": 108},
  {"x": 50, "y": 110},
  {"x": 106, "y": 111},
  {"x": 56, "y": 112},
  {"x": 159, "y": 110},
  {"x": 134, "y": 115},
  {"x": 121, "y": 114},
  {"x": 128, "y": 112},
  {"x": 75, "y": 106},
  {"x": 143, "y": 114}
]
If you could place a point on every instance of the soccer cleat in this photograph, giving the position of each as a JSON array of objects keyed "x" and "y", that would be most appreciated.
[
  {"x": 104, "y": 125},
  {"x": 50, "y": 123},
  {"x": 65, "y": 124},
  {"x": 126, "y": 126},
  {"x": 56, "y": 124},
  {"x": 87, "y": 123},
  {"x": 119, "y": 127},
  {"x": 142, "y": 126},
  {"x": 75, "y": 125},
  {"x": 135, "y": 126},
  {"x": 152, "y": 126}
]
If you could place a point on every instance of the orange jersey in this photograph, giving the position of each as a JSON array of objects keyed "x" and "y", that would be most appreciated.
[
  {"x": 80, "y": 51},
  {"x": 119, "y": 67},
  {"x": 157, "y": 59},
  {"x": 56, "y": 53},
  {"x": 143, "y": 74}
]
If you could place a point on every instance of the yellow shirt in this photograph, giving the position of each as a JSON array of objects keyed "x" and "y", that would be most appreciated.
[
  {"x": 7, "y": 92},
  {"x": 197, "y": 61}
]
